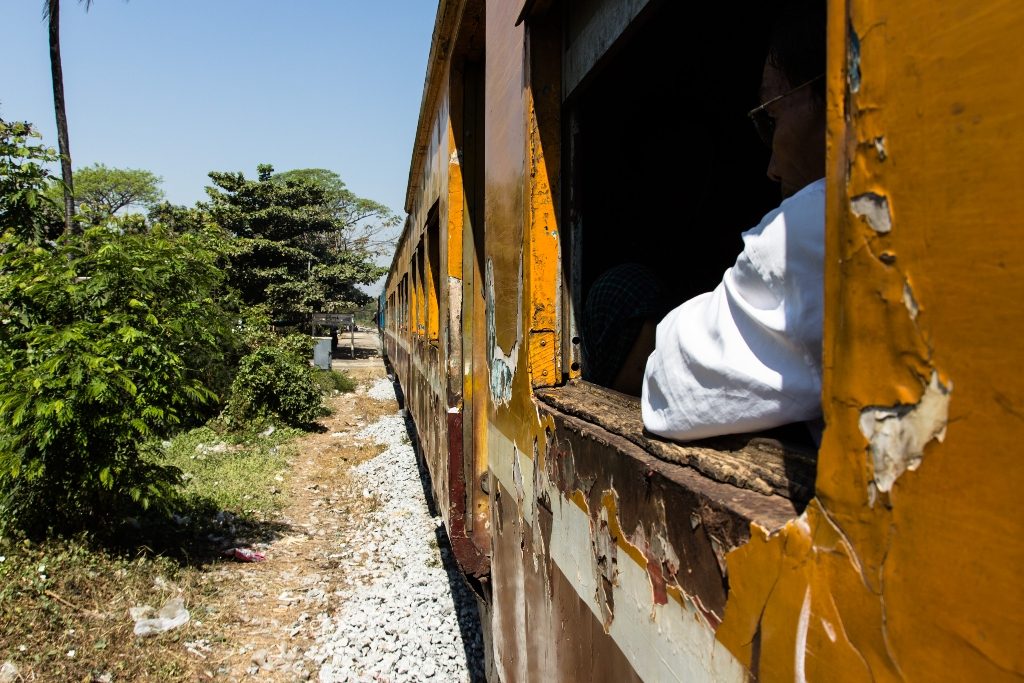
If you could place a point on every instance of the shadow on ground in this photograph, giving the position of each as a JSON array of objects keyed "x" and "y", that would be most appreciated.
[
  {"x": 361, "y": 353},
  {"x": 196, "y": 536}
]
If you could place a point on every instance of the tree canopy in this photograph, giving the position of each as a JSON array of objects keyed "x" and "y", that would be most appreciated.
[
  {"x": 25, "y": 208},
  {"x": 362, "y": 224},
  {"x": 105, "y": 190},
  {"x": 292, "y": 249}
]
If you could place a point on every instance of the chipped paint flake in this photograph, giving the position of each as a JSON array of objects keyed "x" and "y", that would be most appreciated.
[
  {"x": 910, "y": 302},
  {"x": 606, "y": 566},
  {"x": 502, "y": 365},
  {"x": 897, "y": 435},
  {"x": 874, "y": 209},
  {"x": 830, "y": 630},
  {"x": 800, "y": 656},
  {"x": 853, "y": 59},
  {"x": 879, "y": 143}
]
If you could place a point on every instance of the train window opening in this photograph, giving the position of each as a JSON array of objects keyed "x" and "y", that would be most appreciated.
[
  {"x": 403, "y": 303},
  {"x": 468, "y": 124},
  {"x": 665, "y": 169},
  {"x": 668, "y": 169},
  {"x": 407, "y": 303},
  {"x": 418, "y": 289},
  {"x": 433, "y": 273}
]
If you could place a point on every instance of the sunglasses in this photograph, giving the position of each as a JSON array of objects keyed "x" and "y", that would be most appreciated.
[{"x": 764, "y": 123}]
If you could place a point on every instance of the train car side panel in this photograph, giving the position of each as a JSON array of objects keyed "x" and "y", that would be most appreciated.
[{"x": 904, "y": 567}]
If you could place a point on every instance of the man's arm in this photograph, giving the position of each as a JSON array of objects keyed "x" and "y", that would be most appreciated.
[{"x": 747, "y": 356}]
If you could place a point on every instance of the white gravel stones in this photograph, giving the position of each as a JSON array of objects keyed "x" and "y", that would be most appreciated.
[
  {"x": 408, "y": 619},
  {"x": 382, "y": 390}
]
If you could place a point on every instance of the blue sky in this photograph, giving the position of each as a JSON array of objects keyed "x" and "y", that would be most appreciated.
[{"x": 184, "y": 87}]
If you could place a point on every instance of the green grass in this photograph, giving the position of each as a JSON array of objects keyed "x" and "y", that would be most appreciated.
[
  {"x": 64, "y": 602},
  {"x": 231, "y": 471},
  {"x": 330, "y": 381}
]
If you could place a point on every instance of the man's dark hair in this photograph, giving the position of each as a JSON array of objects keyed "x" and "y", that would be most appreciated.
[{"x": 797, "y": 44}]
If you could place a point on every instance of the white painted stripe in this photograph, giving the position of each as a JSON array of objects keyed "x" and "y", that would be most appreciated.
[{"x": 662, "y": 642}]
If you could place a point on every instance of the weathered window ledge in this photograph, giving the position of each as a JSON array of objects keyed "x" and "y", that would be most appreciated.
[{"x": 757, "y": 462}]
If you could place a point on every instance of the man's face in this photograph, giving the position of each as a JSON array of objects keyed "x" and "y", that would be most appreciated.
[{"x": 798, "y": 146}]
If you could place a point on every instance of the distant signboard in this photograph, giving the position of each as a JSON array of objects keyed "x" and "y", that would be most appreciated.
[{"x": 334, "y": 319}]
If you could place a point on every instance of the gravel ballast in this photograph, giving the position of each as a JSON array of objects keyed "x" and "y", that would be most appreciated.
[{"x": 411, "y": 616}]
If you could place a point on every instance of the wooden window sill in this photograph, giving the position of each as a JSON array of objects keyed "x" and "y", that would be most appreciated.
[{"x": 759, "y": 462}]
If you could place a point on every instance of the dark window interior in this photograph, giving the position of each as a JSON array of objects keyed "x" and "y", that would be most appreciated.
[{"x": 669, "y": 170}]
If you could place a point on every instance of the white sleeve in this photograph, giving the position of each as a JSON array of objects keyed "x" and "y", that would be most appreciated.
[{"x": 747, "y": 356}]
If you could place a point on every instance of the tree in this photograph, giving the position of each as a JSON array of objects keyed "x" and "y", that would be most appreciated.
[
  {"x": 51, "y": 11},
  {"x": 105, "y": 191},
  {"x": 180, "y": 219},
  {"x": 286, "y": 252},
  {"x": 361, "y": 224},
  {"x": 107, "y": 340}
]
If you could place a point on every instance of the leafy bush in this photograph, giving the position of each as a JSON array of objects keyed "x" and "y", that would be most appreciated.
[
  {"x": 275, "y": 380},
  {"x": 25, "y": 207},
  {"x": 105, "y": 341}
]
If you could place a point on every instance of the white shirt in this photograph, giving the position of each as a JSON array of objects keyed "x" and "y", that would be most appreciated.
[{"x": 747, "y": 356}]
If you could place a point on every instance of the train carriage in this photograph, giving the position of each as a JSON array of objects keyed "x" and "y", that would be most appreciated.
[{"x": 557, "y": 138}]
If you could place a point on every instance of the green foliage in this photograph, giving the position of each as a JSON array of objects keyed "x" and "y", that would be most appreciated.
[
  {"x": 181, "y": 219},
  {"x": 101, "y": 192},
  {"x": 105, "y": 342},
  {"x": 25, "y": 208},
  {"x": 330, "y": 381},
  {"x": 275, "y": 380},
  {"x": 290, "y": 250},
  {"x": 362, "y": 225}
]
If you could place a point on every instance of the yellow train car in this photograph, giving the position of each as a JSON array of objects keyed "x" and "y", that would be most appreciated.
[{"x": 559, "y": 137}]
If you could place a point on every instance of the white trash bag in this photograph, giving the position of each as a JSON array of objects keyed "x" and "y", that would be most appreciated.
[{"x": 149, "y": 622}]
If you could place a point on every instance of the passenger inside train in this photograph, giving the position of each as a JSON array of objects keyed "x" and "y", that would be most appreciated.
[{"x": 745, "y": 356}]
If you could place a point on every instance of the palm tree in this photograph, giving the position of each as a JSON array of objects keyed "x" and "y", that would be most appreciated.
[{"x": 51, "y": 11}]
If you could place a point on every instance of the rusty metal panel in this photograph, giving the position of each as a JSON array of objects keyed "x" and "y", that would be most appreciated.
[
  {"x": 541, "y": 628},
  {"x": 590, "y": 525},
  {"x": 907, "y": 564}
]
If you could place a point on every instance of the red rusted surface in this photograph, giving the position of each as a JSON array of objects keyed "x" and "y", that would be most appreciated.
[{"x": 472, "y": 560}]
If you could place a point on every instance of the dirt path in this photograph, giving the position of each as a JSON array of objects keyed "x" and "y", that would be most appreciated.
[{"x": 259, "y": 618}]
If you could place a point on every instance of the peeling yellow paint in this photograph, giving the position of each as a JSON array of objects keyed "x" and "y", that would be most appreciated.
[
  {"x": 580, "y": 499},
  {"x": 923, "y": 261},
  {"x": 609, "y": 503},
  {"x": 456, "y": 211},
  {"x": 544, "y": 262}
]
